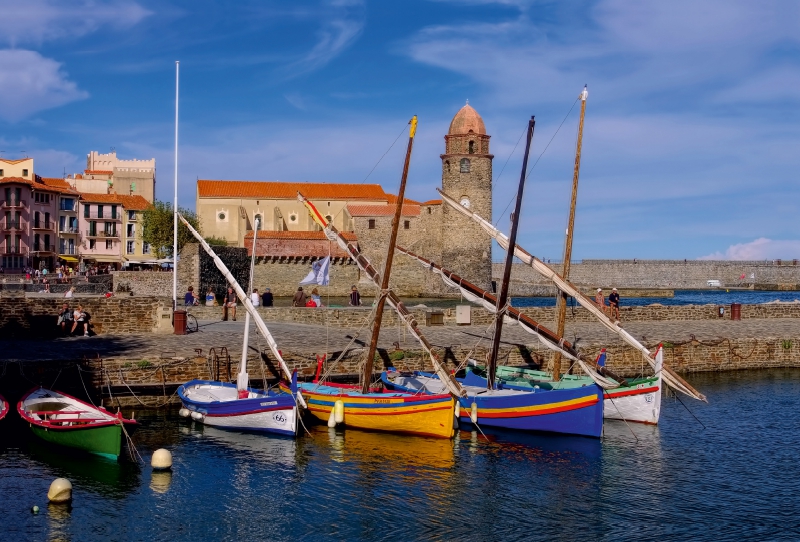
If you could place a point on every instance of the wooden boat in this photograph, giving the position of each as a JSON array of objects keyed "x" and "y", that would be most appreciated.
[
  {"x": 576, "y": 411},
  {"x": 64, "y": 420},
  {"x": 3, "y": 407},
  {"x": 362, "y": 407},
  {"x": 237, "y": 406}
]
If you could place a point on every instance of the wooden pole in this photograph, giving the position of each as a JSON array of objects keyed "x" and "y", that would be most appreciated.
[
  {"x": 376, "y": 323},
  {"x": 491, "y": 369},
  {"x": 561, "y": 303}
]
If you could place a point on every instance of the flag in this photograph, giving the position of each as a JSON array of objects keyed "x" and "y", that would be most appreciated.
[
  {"x": 319, "y": 274},
  {"x": 601, "y": 359}
]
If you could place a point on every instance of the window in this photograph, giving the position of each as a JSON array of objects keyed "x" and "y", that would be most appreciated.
[
  {"x": 85, "y": 211},
  {"x": 67, "y": 204},
  {"x": 429, "y": 210},
  {"x": 465, "y": 165},
  {"x": 114, "y": 211},
  {"x": 131, "y": 230},
  {"x": 99, "y": 211},
  {"x": 36, "y": 218},
  {"x": 329, "y": 219},
  {"x": 36, "y": 242},
  {"x": 258, "y": 222},
  {"x": 24, "y": 172},
  {"x": 447, "y": 165},
  {"x": 62, "y": 223},
  {"x": 371, "y": 224},
  {"x": 472, "y": 147},
  {"x": 92, "y": 244},
  {"x": 1, "y": 173},
  {"x": 222, "y": 216},
  {"x": 109, "y": 244},
  {"x": 47, "y": 220},
  {"x": 110, "y": 229},
  {"x": 292, "y": 217},
  {"x": 92, "y": 228},
  {"x": 129, "y": 247},
  {"x": 47, "y": 243},
  {"x": 131, "y": 215},
  {"x": 407, "y": 225},
  {"x": 145, "y": 248}
]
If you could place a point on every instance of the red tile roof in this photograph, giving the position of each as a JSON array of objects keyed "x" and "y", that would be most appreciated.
[
  {"x": 132, "y": 203},
  {"x": 279, "y": 190},
  {"x": 56, "y": 185},
  {"x": 297, "y": 235},
  {"x": 393, "y": 199},
  {"x": 295, "y": 244},
  {"x": 15, "y": 161},
  {"x": 16, "y": 180},
  {"x": 97, "y": 172},
  {"x": 381, "y": 210},
  {"x": 433, "y": 202}
]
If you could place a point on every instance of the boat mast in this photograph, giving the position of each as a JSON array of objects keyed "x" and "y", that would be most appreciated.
[
  {"x": 242, "y": 380},
  {"x": 376, "y": 323},
  {"x": 561, "y": 302},
  {"x": 501, "y": 301}
]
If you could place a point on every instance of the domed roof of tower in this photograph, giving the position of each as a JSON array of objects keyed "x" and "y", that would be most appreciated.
[{"x": 467, "y": 120}]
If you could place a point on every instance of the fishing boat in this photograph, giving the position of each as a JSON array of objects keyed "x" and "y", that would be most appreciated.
[
  {"x": 3, "y": 407},
  {"x": 362, "y": 407},
  {"x": 60, "y": 419},
  {"x": 236, "y": 405}
]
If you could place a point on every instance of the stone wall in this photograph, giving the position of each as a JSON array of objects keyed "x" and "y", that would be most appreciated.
[
  {"x": 672, "y": 274},
  {"x": 144, "y": 283}
]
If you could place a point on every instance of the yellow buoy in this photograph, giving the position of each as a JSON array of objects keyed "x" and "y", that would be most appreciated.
[
  {"x": 473, "y": 415},
  {"x": 60, "y": 491},
  {"x": 162, "y": 459},
  {"x": 338, "y": 409}
]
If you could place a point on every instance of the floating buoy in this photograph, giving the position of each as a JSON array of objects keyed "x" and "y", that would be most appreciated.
[
  {"x": 162, "y": 459},
  {"x": 338, "y": 410},
  {"x": 458, "y": 409},
  {"x": 332, "y": 418},
  {"x": 185, "y": 412},
  {"x": 60, "y": 491},
  {"x": 34, "y": 509},
  {"x": 197, "y": 416},
  {"x": 473, "y": 415}
]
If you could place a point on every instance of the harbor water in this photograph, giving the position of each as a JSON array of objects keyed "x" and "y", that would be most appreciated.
[{"x": 734, "y": 479}]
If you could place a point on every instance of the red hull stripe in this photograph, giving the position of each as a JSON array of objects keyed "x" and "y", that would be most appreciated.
[
  {"x": 631, "y": 392},
  {"x": 527, "y": 413},
  {"x": 314, "y": 408},
  {"x": 246, "y": 413}
]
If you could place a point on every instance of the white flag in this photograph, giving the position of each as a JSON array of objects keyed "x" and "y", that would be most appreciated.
[{"x": 319, "y": 274}]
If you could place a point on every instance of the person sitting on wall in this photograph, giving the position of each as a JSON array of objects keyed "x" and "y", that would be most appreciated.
[
  {"x": 255, "y": 298},
  {"x": 316, "y": 297},
  {"x": 229, "y": 303},
  {"x": 266, "y": 299},
  {"x": 190, "y": 298},
  {"x": 355, "y": 297},
  {"x": 64, "y": 318},
  {"x": 299, "y": 299},
  {"x": 211, "y": 298}
]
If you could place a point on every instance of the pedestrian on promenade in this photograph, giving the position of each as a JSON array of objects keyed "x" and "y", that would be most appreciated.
[
  {"x": 355, "y": 297},
  {"x": 81, "y": 319},
  {"x": 613, "y": 302},
  {"x": 299, "y": 299},
  {"x": 64, "y": 318},
  {"x": 266, "y": 299},
  {"x": 229, "y": 303},
  {"x": 316, "y": 297},
  {"x": 211, "y": 299},
  {"x": 600, "y": 300},
  {"x": 190, "y": 298},
  {"x": 255, "y": 298}
]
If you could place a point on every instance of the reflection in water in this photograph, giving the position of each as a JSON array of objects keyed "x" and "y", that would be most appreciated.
[
  {"x": 258, "y": 447},
  {"x": 58, "y": 516},
  {"x": 160, "y": 481}
]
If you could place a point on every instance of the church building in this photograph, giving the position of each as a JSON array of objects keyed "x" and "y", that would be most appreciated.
[{"x": 287, "y": 235}]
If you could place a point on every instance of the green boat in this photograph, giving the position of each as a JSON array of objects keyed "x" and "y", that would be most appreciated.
[{"x": 60, "y": 419}]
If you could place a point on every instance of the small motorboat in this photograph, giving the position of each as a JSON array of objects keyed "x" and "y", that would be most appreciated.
[{"x": 66, "y": 421}]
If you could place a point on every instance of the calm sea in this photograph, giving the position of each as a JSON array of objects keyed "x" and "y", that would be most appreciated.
[{"x": 734, "y": 479}]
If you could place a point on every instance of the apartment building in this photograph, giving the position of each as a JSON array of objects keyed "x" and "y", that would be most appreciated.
[{"x": 109, "y": 229}]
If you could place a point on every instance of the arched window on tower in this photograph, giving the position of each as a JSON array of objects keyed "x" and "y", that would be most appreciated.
[
  {"x": 260, "y": 220},
  {"x": 472, "y": 147},
  {"x": 447, "y": 165},
  {"x": 465, "y": 165}
]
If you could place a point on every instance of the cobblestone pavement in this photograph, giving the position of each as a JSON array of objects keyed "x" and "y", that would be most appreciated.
[{"x": 310, "y": 339}]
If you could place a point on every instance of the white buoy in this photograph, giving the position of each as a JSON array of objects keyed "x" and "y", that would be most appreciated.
[
  {"x": 338, "y": 410},
  {"x": 197, "y": 416},
  {"x": 185, "y": 412},
  {"x": 60, "y": 491},
  {"x": 458, "y": 409},
  {"x": 332, "y": 418},
  {"x": 162, "y": 459},
  {"x": 34, "y": 509},
  {"x": 473, "y": 415}
]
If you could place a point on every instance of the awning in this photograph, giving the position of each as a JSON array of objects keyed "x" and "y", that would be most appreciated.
[
  {"x": 102, "y": 259},
  {"x": 68, "y": 258}
]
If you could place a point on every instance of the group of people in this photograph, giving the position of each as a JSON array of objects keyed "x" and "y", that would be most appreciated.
[
  {"x": 301, "y": 300},
  {"x": 72, "y": 320},
  {"x": 191, "y": 298},
  {"x": 612, "y": 309}
]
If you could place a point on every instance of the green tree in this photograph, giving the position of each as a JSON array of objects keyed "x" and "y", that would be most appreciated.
[
  {"x": 216, "y": 241},
  {"x": 157, "y": 228}
]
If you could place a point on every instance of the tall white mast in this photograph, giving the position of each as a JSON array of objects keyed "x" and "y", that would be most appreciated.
[
  {"x": 175, "y": 201},
  {"x": 243, "y": 378}
]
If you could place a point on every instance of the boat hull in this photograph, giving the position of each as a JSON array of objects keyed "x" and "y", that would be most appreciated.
[
  {"x": 407, "y": 413},
  {"x": 272, "y": 412},
  {"x": 105, "y": 440},
  {"x": 3, "y": 407},
  {"x": 639, "y": 402},
  {"x": 576, "y": 411}
]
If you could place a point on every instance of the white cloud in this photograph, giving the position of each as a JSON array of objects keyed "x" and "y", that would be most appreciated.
[
  {"x": 30, "y": 83},
  {"x": 37, "y": 21},
  {"x": 760, "y": 249}
]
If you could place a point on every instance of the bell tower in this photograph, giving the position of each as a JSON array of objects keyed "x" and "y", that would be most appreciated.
[{"x": 467, "y": 177}]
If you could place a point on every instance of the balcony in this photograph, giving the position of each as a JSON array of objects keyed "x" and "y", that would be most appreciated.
[
  {"x": 69, "y": 231},
  {"x": 105, "y": 216},
  {"x": 14, "y": 202},
  {"x": 65, "y": 250},
  {"x": 12, "y": 225},
  {"x": 102, "y": 234},
  {"x": 43, "y": 225},
  {"x": 67, "y": 208},
  {"x": 41, "y": 247},
  {"x": 14, "y": 249}
]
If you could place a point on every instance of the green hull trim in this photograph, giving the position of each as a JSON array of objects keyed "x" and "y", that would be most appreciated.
[
  {"x": 520, "y": 376},
  {"x": 105, "y": 440}
]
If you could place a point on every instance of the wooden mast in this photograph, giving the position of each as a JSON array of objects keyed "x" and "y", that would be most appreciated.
[
  {"x": 561, "y": 303},
  {"x": 503, "y": 298},
  {"x": 376, "y": 323}
]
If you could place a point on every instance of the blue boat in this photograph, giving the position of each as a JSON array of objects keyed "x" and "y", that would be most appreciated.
[
  {"x": 576, "y": 411},
  {"x": 221, "y": 404}
]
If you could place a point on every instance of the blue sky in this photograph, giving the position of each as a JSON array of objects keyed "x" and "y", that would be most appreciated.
[{"x": 691, "y": 141}]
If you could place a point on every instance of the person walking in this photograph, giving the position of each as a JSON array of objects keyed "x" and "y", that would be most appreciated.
[
  {"x": 211, "y": 299},
  {"x": 299, "y": 299},
  {"x": 266, "y": 299},
  {"x": 255, "y": 298},
  {"x": 229, "y": 303},
  {"x": 613, "y": 302},
  {"x": 355, "y": 297},
  {"x": 600, "y": 300}
]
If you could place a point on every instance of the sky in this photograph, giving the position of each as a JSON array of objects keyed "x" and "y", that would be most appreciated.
[{"x": 691, "y": 139}]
